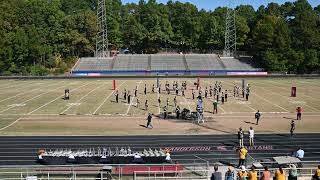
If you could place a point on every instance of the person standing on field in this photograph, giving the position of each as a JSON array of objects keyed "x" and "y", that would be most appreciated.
[
  {"x": 251, "y": 136},
  {"x": 215, "y": 107},
  {"x": 293, "y": 127},
  {"x": 257, "y": 116},
  {"x": 299, "y": 111},
  {"x": 149, "y": 118}
]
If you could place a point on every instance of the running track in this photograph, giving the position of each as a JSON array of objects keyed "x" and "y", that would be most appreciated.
[{"x": 214, "y": 148}]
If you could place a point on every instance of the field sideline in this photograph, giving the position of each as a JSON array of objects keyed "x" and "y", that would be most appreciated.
[{"x": 36, "y": 106}]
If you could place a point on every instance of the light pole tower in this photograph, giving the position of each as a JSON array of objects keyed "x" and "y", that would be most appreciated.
[
  {"x": 102, "y": 44},
  {"x": 230, "y": 46}
]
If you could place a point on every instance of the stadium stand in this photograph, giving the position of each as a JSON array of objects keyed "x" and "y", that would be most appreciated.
[
  {"x": 203, "y": 62},
  {"x": 93, "y": 64},
  {"x": 131, "y": 63},
  {"x": 235, "y": 64},
  {"x": 163, "y": 63},
  {"x": 167, "y": 62}
]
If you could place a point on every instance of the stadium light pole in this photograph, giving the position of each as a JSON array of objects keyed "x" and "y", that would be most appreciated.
[
  {"x": 230, "y": 47},
  {"x": 102, "y": 43}
]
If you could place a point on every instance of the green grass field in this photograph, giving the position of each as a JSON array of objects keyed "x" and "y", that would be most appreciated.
[{"x": 36, "y": 99}]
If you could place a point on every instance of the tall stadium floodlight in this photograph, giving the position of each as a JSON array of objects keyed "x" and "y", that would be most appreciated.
[
  {"x": 230, "y": 34},
  {"x": 102, "y": 44}
]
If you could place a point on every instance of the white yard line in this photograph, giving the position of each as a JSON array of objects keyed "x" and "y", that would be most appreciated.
[
  {"x": 10, "y": 124},
  {"x": 97, "y": 109},
  {"x": 19, "y": 94},
  {"x": 12, "y": 86},
  {"x": 132, "y": 100},
  {"x": 82, "y": 98},
  {"x": 54, "y": 100},
  {"x": 32, "y": 98},
  {"x": 287, "y": 89},
  {"x": 271, "y": 102},
  {"x": 287, "y": 98}
]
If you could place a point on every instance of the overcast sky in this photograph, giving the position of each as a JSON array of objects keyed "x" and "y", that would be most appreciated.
[{"x": 212, "y": 4}]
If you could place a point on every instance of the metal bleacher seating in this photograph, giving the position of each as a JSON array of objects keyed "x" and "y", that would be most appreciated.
[
  {"x": 93, "y": 64},
  {"x": 162, "y": 62},
  {"x": 131, "y": 63},
  {"x": 235, "y": 64},
  {"x": 203, "y": 62},
  {"x": 167, "y": 62}
]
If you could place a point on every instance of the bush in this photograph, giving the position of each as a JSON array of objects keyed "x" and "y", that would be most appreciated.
[{"x": 38, "y": 71}]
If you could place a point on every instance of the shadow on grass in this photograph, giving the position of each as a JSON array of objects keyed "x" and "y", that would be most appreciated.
[{"x": 250, "y": 122}]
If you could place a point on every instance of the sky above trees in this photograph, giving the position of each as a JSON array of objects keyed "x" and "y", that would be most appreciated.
[{"x": 212, "y": 4}]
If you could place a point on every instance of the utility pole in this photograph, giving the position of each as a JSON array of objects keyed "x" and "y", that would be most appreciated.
[
  {"x": 230, "y": 47},
  {"x": 102, "y": 44}
]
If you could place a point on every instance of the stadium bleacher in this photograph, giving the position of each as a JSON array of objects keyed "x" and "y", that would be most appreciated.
[
  {"x": 155, "y": 63},
  {"x": 131, "y": 63},
  {"x": 167, "y": 62}
]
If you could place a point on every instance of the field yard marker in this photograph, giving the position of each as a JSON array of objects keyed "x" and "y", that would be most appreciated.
[
  {"x": 81, "y": 98},
  {"x": 55, "y": 99},
  {"x": 94, "y": 113},
  {"x": 132, "y": 100},
  {"x": 32, "y": 98},
  {"x": 10, "y": 124}
]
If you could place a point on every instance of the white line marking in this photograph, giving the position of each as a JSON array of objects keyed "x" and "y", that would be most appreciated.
[
  {"x": 81, "y": 98},
  {"x": 32, "y": 98},
  {"x": 106, "y": 99},
  {"x": 19, "y": 94},
  {"x": 287, "y": 98},
  {"x": 55, "y": 99},
  {"x": 132, "y": 99},
  {"x": 10, "y": 124}
]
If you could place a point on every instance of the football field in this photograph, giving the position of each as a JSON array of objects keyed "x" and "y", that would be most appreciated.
[{"x": 37, "y": 107}]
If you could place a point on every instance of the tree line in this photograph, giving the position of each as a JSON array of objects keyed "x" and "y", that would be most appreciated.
[{"x": 47, "y": 36}]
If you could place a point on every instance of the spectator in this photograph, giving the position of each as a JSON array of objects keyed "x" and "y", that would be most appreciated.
[
  {"x": 243, "y": 152},
  {"x": 316, "y": 176},
  {"x": 266, "y": 174},
  {"x": 251, "y": 136},
  {"x": 229, "y": 174},
  {"x": 293, "y": 173},
  {"x": 240, "y": 137},
  {"x": 216, "y": 175},
  {"x": 280, "y": 174},
  {"x": 253, "y": 174},
  {"x": 242, "y": 175},
  {"x": 300, "y": 154}
]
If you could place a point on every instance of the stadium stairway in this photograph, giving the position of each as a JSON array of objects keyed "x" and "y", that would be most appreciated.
[
  {"x": 185, "y": 63},
  {"x": 113, "y": 62},
  {"x": 149, "y": 63},
  {"x": 221, "y": 63}
]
